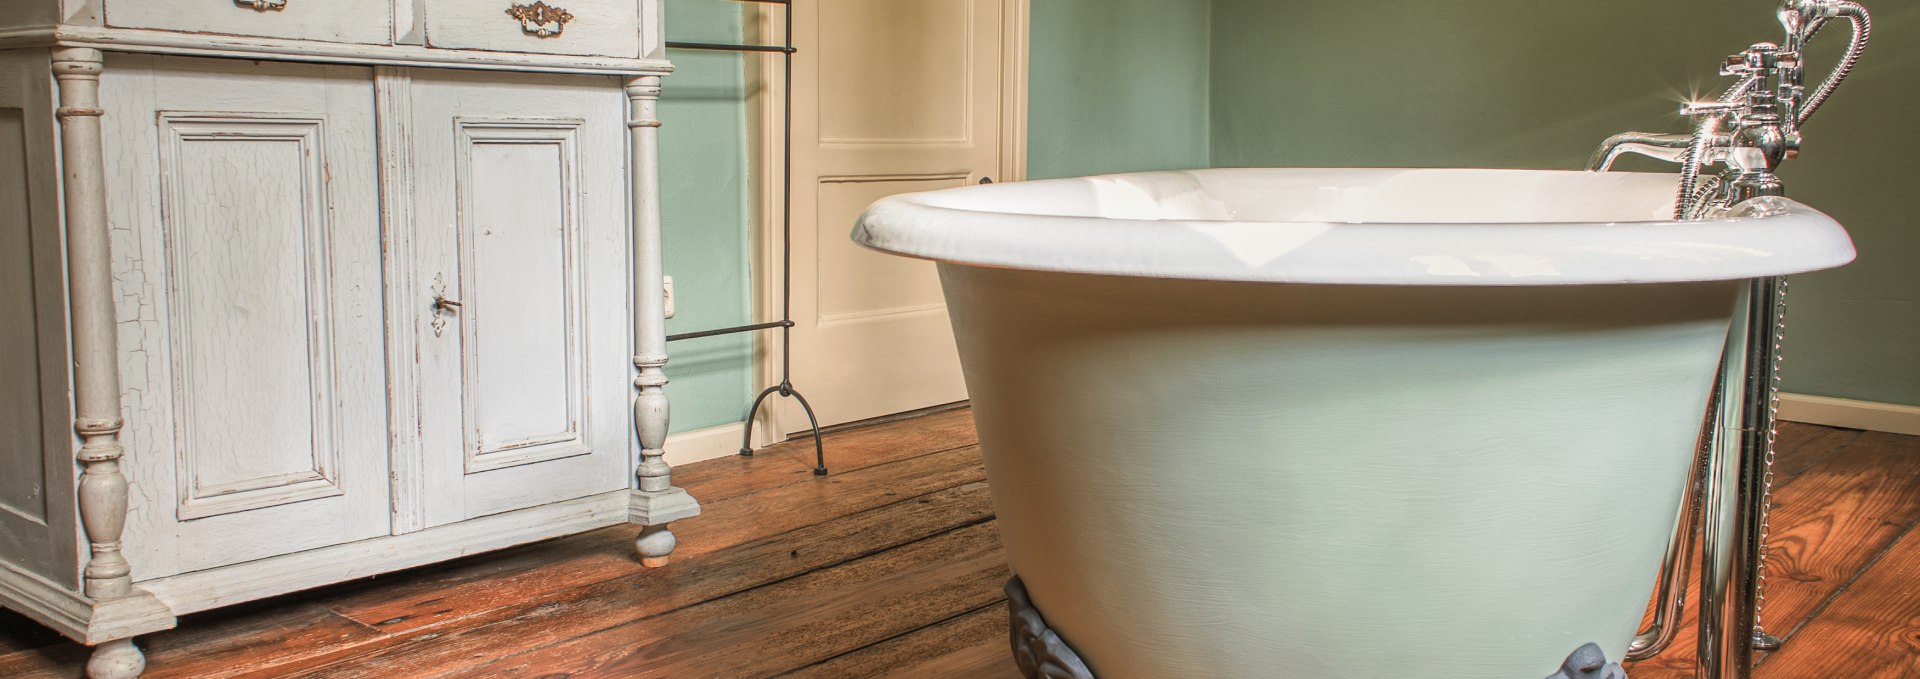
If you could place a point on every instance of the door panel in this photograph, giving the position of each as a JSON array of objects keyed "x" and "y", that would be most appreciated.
[
  {"x": 245, "y": 204},
  {"x": 251, "y": 311},
  {"x": 891, "y": 96},
  {"x": 897, "y": 71},
  {"x": 37, "y": 532},
  {"x": 519, "y": 243},
  {"x": 520, "y": 209}
]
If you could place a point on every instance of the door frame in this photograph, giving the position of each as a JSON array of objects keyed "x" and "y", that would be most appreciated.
[{"x": 778, "y": 416}]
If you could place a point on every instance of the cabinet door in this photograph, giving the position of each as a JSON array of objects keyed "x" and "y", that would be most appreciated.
[
  {"x": 245, "y": 210},
  {"x": 520, "y": 188}
]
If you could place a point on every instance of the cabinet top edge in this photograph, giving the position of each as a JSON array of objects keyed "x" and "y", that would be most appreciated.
[{"x": 201, "y": 45}]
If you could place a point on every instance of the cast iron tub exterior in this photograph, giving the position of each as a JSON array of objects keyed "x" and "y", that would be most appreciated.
[{"x": 1340, "y": 423}]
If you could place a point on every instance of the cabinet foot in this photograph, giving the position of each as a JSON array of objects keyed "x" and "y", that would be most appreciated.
[
  {"x": 655, "y": 544},
  {"x": 117, "y": 659}
]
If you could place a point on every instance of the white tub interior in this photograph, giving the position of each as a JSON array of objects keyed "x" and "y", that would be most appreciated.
[{"x": 1339, "y": 196}]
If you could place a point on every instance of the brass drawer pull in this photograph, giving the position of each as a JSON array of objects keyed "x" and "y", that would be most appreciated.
[
  {"x": 539, "y": 19},
  {"x": 262, "y": 5}
]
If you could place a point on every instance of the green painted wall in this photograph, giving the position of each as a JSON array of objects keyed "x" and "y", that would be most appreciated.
[
  {"x": 1125, "y": 85},
  {"x": 1116, "y": 86},
  {"x": 1512, "y": 83},
  {"x": 705, "y": 210}
]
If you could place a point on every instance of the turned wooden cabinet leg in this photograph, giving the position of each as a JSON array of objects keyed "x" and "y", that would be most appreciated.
[
  {"x": 117, "y": 659},
  {"x": 657, "y": 502},
  {"x": 96, "y": 369}
]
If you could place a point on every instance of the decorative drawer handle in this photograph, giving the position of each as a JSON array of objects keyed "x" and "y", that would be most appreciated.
[
  {"x": 539, "y": 19},
  {"x": 262, "y": 5}
]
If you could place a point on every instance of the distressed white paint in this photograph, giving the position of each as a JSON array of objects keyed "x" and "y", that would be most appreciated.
[
  {"x": 247, "y": 47},
  {"x": 257, "y": 239},
  {"x": 245, "y": 203},
  {"x": 408, "y": 465},
  {"x": 523, "y": 221},
  {"x": 353, "y": 21},
  {"x": 598, "y": 28},
  {"x": 520, "y": 260},
  {"x": 228, "y": 585},
  {"x": 1292, "y": 476},
  {"x": 656, "y": 502},
  {"x": 38, "y": 531},
  {"x": 248, "y": 284},
  {"x": 78, "y": 617}
]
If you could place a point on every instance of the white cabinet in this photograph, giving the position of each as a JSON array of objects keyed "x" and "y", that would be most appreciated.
[{"x": 383, "y": 292}]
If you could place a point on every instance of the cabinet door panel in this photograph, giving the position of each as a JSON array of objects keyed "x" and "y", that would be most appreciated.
[
  {"x": 244, "y": 201},
  {"x": 519, "y": 241},
  {"x": 520, "y": 202},
  {"x": 37, "y": 532},
  {"x": 252, "y": 366}
]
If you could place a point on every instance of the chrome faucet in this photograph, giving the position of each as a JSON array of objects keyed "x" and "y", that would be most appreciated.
[
  {"x": 1749, "y": 129},
  {"x": 1755, "y": 124}
]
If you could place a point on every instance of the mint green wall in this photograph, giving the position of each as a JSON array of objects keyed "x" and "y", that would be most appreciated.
[
  {"x": 704, "y": 207},
  {"x": 1123, "y": 85},
  {"x": 1116, "y": 86},
  {"x": 1513, "y": 83}
]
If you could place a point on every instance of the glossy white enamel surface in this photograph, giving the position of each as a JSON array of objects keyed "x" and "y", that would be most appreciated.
[
  {"x": 1379, "y": 226},
  {"x": 1220, "y": 479},
  {"x": 1353, "y": 424}
]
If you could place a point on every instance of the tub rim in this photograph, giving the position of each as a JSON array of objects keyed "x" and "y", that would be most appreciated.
[{"x": 1759, "y": 238}]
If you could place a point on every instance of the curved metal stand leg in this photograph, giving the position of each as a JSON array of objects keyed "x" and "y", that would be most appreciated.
[
  {"x": 746, "y": 439},
  {"x": 819, "y": 448},
  {"x": 786, "y": 389}
]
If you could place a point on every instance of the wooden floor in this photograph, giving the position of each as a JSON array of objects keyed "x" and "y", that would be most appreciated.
[{"x": 891, "y": 567}]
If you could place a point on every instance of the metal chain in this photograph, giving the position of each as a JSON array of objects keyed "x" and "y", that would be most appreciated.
[{"x": 1773, "y": 431}]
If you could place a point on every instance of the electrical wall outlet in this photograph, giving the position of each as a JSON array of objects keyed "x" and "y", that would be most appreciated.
[{"x": 667, "y": 284}]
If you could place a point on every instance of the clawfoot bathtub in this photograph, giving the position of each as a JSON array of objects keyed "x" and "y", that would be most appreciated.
[{"x": 1348, "y": 424}]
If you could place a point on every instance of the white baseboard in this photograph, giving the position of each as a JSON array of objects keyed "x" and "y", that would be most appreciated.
[
  {"x": 704, "y": 444},
  {"x": 1840, "y": 412}
]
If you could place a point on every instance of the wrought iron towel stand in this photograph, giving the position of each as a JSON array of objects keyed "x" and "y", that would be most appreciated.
[{"x": 785, "y": 324}]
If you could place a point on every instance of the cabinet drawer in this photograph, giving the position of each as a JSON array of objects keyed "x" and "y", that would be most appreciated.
[
  {"x": 585, "y": 27},
  {"x": 355, "y": 21}
]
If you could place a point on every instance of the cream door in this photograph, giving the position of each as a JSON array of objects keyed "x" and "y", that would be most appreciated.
[
  {"x": 244, "y": 202},
  {"x": 519, "y": 296},
  {"x": 890, "y": 96}
]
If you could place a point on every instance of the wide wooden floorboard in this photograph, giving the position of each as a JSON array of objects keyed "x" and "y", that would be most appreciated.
[
  {"x": 972, "y": 644},
  {"x": 1828, "y": 524},
  {"x": 891, "y": 567}
]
